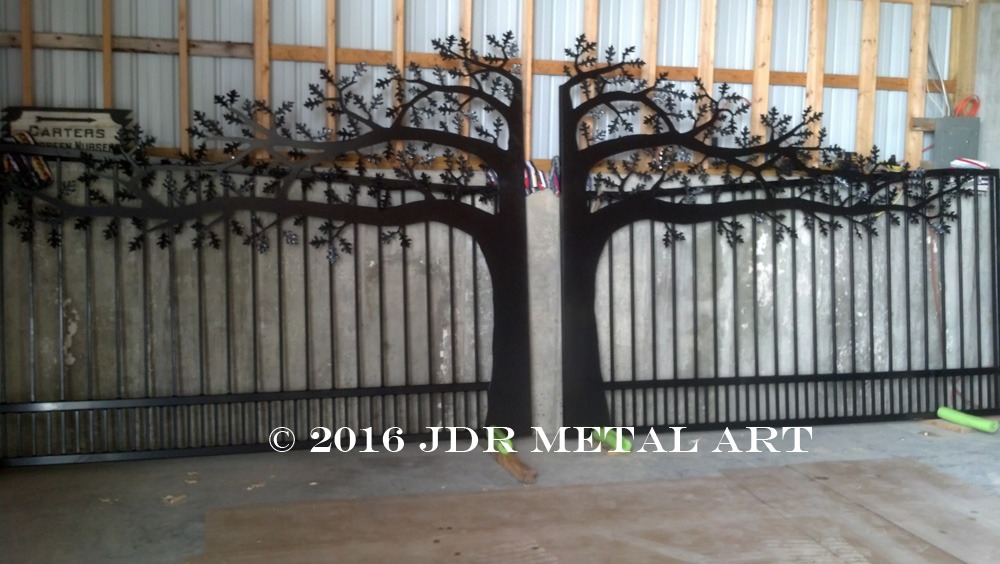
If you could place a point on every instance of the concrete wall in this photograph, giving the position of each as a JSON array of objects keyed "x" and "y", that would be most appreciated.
[{"x": 987, "y": 71}]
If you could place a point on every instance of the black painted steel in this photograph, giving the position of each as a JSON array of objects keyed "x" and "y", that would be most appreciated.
[
  {"x": 633, "y": 152},
  {"x": 401, "y": 164}
]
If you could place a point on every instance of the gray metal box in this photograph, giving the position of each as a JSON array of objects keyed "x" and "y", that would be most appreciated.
[{"x": 955, "y": 137}]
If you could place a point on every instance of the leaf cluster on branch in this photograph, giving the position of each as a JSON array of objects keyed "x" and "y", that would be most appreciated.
[
  {"x": 403, "y": 141},
  {"x": 682, "y": 155}
]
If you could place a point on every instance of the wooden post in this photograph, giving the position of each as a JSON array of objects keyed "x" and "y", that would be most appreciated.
[
  {"x": 591, "y": 20},
  {"x": 916, "y": 98},
  {"x": 964, "y": 70},
  {"x": 865, "y": 135},
  {"x": 706, "y": 45},
  {"x": 331, "y": 59},
  {"x": 262, "y": 53},
  {"x": 760, "y": 96},
  {"x": 27, "y": 66},
  {"x": 107, "y": 58},
  {"x": 184, "y": 71},
  {"x": 399, "y": 34},
  {"x": 816, "y": 62},
  {"x": 650, "y": 23},
  {"x": 465, "y": 31}
]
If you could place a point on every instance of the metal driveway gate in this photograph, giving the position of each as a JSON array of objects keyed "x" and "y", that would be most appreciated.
[
  {"x": 371, "y": 278},
  {"x": 718, "y": 271}
]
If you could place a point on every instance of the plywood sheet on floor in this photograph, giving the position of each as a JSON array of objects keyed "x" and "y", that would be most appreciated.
[{"x": 876, "y": 511}]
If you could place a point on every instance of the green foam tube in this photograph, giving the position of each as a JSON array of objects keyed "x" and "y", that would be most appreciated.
[
  {"x": 503, "y": 446},
  {"x": 973, "y": 421},
  {"x": 610, "y": 438}
]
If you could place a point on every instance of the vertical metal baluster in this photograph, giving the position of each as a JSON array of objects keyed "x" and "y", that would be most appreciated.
[
  {"x": 61, "y": 320},
  {"x": 203, "y": 352},
  {"x": 976, "y": 229},
  {"x": 694, "y": 322},
  {"x": 358, "y": 345},
  {"x": 852, "y": 289},
  {"x": 407, "y": 420},
  {"x": 655, "y": 321},
  {"x": 612, "y": 375},
  {"x": 307, "y": 306},
  {"x": 232, "y": 420},
  {"x": 833, "y": 323},
  {"x": 889, "y": 322},
  {"x": 908, "y": 307},
  {"x": 452, "y": 321},
  {"x": 32, "y": 345},
  {"x": 795, "y": 317},
  {"x": 383, "y": 366},
  {"x": 631, "y": 259}
]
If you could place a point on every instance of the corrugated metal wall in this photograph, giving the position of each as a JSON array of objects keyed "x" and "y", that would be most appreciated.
[{"x": 73, "y": 78}]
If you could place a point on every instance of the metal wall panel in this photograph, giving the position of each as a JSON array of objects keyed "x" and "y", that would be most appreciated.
[
  {"x": 290, "y": 82},
  {"x": 68, "y": 79},
  {"x": 148, "y": 85},
  {"x": 211, "y": 76},
  {"x": 790, "y": 35},
  {"x": 620, "y": 25},
  {"x": 299, "y": 22},
  {"x": 10, "y": 15},
  {"x": 139, "y": 18},
  {"x": 496, "y": 17},
  {"x": 145, "y": 83},
  {"x": 557, "y": 25},
  {"x": 427, "y": 20},
  {"x": 545, "y": 117},
  {"x": 66, "y": 16},
  {"x": 221, "y": 20},
  {"x": 790, "y": 100},
  {"x": 938, "y": 59},
  {"x": 10, "y": 78},
  {"x": 364, "y": 25},
  {"x": 840, "y": 106},
  {"x": 894, "y": 39},
  {"x": 734, "y": 34},
  {"x": 843, "y": 36},
  {"x": 890, "y": 124},
  {"x": 678, "y": 33}
]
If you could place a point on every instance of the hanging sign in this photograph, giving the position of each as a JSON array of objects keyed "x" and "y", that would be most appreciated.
[{"x": 67, "y": 128}]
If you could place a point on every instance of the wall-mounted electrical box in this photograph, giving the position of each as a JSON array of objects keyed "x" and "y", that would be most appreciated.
[{"x": 955, "y": 137}]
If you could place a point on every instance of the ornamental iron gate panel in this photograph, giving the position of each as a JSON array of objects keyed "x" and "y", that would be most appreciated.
[
  {"x": 808, "y": 286},
  {"x": 375, "y": 276}
]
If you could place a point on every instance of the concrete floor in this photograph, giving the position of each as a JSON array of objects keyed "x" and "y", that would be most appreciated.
[{"x": 153, "y": 511}]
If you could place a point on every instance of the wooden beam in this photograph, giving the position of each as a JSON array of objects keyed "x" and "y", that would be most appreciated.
[
  {"x": 760, "y": 96},
  {"x": 816, "y": 61},
  {"x": 107, "y": 58},
  {"x": 865, "y": 135},
  {"x": 527, "y": 68},
  {"x": 184, "y": 72},
  {"x": 330, "y": 59},
  {"x": 27, "y": 66},
  {"x": 920, "y": 28}
]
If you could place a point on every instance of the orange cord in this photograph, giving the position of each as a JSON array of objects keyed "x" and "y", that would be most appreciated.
[{"x": 968, "y": 107}]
